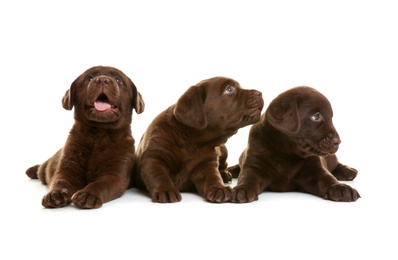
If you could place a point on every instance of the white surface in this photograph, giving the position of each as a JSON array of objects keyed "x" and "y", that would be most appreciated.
[{"x": 345, "y": 49}]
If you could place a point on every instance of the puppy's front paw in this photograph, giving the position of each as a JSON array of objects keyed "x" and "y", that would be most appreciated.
[
  {"x": 85, "y": 200},
  {"x": 166, "y": 196},
  {"x": 344, "y": 173},
  {"x": 218, "y": 194},
  {"x": 241, "y": 194},
  {"x": 56, "y": 199},
  {"x": 342, "y": 192}
]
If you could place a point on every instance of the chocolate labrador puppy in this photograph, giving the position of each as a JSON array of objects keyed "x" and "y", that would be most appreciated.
[
  {"x": 183, "y": 148},
  {"x": 94, "y": 165},
  {"x": 292, "y": 148}
]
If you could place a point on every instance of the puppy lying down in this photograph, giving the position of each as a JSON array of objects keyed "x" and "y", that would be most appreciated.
[
  {"x": 292, "y": 148},
  {"x": 183, "y": 148},
  {"x": 94, "y": 166}
]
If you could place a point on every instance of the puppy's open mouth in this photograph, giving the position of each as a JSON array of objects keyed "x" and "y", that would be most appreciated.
[{"x": 103, "y": 104}]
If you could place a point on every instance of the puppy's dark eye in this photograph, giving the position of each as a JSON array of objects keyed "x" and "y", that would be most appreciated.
[
  {"x": 119, "y": 80},
  {"x": 89, "y": 78},
  {"x": 229, "y": 89},
  {"x": 317, "y": 117}
]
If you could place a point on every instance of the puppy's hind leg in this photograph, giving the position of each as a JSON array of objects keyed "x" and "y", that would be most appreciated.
[
  {"x": 39, "y": 172},
  {"x": 234, "y": 170},
  {"x": 32, "y": 172}
]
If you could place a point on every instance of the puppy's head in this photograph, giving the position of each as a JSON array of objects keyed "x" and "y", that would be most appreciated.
[
  {"x": 304, "y": 115},
  {"x": 220, "y": 103},
  {"x": 103, "y": 96}
]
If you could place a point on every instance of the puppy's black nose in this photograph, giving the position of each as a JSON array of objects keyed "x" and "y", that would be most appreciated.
[{"x": 102, "y": 81}]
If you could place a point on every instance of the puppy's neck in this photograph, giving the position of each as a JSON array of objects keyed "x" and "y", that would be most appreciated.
[
  {"x": 216, "y": 136},
  {"x": 99, "y": 130}
]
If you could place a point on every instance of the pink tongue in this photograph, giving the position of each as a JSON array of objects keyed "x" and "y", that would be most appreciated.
[{"x": 102, "y": 106}]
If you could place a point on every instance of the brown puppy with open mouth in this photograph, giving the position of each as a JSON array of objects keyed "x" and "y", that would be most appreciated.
[
  {"x": 292, "y": 148},
  {"x": 94, "y": 165},
  {"x": 183, "y": 148}
]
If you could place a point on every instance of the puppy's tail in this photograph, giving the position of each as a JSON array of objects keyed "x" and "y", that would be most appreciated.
[
  {"x": 32, "y": 172},
  {"x": 234, "y": 170}
]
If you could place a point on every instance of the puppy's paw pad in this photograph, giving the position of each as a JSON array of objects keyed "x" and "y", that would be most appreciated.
[
  {"x": 342, "y": 192},
  {"x": 219, "y": 194},
  {"x": 243, "y": 195},
  {"x": 169, "y": 196},
  {"x": 85, "y": 200},
  {"x": 56, "y": 199}
]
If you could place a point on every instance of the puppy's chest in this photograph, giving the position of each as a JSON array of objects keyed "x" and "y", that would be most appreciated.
[
  {"x": 100, "y": 148},
  {"x": 286, "y": 175},
  {"x": 194, "y": 159}
]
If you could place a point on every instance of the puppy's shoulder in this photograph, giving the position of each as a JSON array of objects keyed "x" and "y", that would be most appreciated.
[{"x": 164, "y": 118}]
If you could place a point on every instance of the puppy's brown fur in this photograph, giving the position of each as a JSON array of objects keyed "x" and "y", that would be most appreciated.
[
  {"x": 183, "y": 148},
  {"x": 292, "y": 148},
  {"x": 94, "y": 165}
]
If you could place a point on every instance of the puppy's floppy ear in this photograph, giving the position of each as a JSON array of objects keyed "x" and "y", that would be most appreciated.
[
  {"x": 189, "y": 109},
  {"x": 283, "y": 114},
  {"x": 138, "y": 101},
  {"x": 69, "y": 98}
]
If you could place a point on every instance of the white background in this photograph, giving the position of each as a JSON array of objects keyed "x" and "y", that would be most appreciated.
[{"x": 348, "y": 50}]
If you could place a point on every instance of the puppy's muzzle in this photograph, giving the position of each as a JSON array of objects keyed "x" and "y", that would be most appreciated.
[
  {"x": 106, "y": 91},
  {"x": 330, "y": 143},
  {"x": 255, "y": 99}
]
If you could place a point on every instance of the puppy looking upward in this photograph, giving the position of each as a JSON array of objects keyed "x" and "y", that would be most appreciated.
[
  {"x": 183, "y": 148},
  {"x": 94, "y": 165},
  {"x": 292, "y": 148}
]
